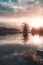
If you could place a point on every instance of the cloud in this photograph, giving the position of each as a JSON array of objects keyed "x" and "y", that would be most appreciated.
[
  {"x": 8, "y": 8},
  {"x": 26, "y": 2},
  {"x": 5, "y": 7},
  {"x": 12, "y": 8},
  {"x": 22, "y": 1}
]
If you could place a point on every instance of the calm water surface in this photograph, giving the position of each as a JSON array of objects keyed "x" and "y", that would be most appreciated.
[
  {"x": 11, "y": 55},
  {"x": 35, "y": 40}
]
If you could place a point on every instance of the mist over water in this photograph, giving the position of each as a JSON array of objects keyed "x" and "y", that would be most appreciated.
[{"x": 33, "y": 40}]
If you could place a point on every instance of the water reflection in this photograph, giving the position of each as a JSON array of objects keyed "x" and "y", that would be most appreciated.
[
  {"x": 2, "y": 37},
  {"x": 34, "y": 41},
  {"x": 25, "y": 32}
]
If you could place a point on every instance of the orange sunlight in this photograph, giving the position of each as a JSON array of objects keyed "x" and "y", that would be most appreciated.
[{"x": 36, "y": 22}]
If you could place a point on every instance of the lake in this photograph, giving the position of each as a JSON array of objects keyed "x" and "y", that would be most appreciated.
[
  {"x": 34, "y": 41},
  {"x": 12, "y": 47}
]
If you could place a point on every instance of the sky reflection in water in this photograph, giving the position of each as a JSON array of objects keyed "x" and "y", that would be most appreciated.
[{"x": 35, "y": 40}]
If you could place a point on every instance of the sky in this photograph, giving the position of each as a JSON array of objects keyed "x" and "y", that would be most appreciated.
[{"x": 15, "y": 12}]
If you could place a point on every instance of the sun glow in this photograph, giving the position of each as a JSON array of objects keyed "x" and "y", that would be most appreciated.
[
  {"x": 36, "y": 22},
  {"x": 37, "y": 39}
]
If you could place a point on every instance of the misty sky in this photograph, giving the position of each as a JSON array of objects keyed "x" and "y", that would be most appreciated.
[{"x": 19, "y": 11}]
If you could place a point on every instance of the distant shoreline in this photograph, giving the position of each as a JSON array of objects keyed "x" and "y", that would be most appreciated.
[{"x": 6, "y": 31}]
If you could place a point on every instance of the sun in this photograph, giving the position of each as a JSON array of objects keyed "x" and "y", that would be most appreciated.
[{"x": 36, "y": 22}]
